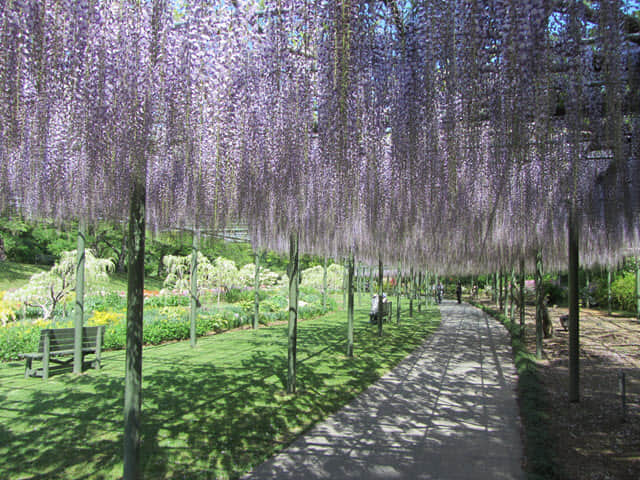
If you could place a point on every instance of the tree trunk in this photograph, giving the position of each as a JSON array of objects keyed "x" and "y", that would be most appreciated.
[
  {"x": 293, "y": 272},
  {"x": 193, "y": 311},
  {"x": 574, "y": 311},
  {"x": 350, "y": 307},
  {"x": 135, "y": 304},
  {"x": 79, "y": 310},
  {"x": 539, "y": 301},
  {"x": 256, "y": 293}
]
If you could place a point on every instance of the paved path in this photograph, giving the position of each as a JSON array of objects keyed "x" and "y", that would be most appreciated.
[{"x": 448, "y": 411}]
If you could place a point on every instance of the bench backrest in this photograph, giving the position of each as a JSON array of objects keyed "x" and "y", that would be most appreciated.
[{"x": 61, "y": 339}]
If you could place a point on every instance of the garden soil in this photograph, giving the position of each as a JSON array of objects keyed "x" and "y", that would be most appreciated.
[{"x": 592, "y": 439}]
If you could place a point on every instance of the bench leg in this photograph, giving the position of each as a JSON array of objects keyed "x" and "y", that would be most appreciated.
[
  {"x": 45, "y": 358},
  {"x": 27, "y": 367}
]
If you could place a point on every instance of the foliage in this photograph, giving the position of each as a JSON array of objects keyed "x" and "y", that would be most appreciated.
[
  {"x": 8, "y": 309},
  {"x": 47, "y": 289},
  {"x": 247, "y": 275},
  {"x": 313, "y": 277},
  {"x": 179, "y": 272},
  {"x": 623, "y": 291}
]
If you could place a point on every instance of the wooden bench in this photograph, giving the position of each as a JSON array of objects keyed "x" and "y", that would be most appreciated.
[
  {"x": 59, "y": 342},
  {"x": 387, "y": 310}
]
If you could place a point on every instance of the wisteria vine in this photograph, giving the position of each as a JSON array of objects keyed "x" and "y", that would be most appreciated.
[{"x": 450, "y": 134}]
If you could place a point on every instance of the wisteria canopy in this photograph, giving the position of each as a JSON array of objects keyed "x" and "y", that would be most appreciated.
[{"x": 452, "y": 134}]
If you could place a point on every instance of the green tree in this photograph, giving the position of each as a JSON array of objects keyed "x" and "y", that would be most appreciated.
[{"x": 46, "y": 290}]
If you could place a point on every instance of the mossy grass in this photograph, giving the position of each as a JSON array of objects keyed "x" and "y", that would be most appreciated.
[{"x": 210, "y": 412}]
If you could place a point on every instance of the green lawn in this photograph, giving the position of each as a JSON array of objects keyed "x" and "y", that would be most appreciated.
[
  {"x": 15, "y": 275},
  {"x": 212, "y": 412}
]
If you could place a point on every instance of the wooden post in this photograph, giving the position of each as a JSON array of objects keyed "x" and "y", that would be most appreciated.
[
  {"x": 500, "y": 291},
  {"x": 511, "y": 300},
  {"x": 350, "y": 307},
  {"x": 256, "y": 293},
  {"x": 398, "y": 279},
  {"x": 411, "y": 292},
  {"x": 380, "y": 274},
  {"x": 293, "y": 272},
  {"x": 609, "y": 290},
  {"x": 79, "y": 310},
  {"x": 522, "y": 311},
  {"x": 344, "y": 284},
  {"x": 574, "y": 311},
  {"x": 193, "y": 304},
  {"x": 324, "y": 283},
  {"x": 45, "y": 355},
  {"x": 539, "y": 300},
  {"x": 586, "y": 290},
  {"x": 638, "y": 288},
  {"x": 135, "y": 306}
]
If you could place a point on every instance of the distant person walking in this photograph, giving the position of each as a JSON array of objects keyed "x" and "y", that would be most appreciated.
[{"x": 459, "y": 291}]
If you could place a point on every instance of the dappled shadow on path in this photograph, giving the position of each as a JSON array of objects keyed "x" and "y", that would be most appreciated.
[
  {"x": 202, "y": 417},
  {"x": 447, "y": 411}
]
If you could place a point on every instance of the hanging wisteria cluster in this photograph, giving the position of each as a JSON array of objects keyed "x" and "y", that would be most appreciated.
[{"x": 452, "y": 134}]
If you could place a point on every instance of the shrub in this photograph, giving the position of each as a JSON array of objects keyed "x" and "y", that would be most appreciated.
[
  {"x": 100, "y": 317},
  {"x": 8, "y": 309},
  {"x": 623, "y": 292}
]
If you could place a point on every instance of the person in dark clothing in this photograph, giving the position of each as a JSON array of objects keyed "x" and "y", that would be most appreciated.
[{"x": 459, "y": 291}]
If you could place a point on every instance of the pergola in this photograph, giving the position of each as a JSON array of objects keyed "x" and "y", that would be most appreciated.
[{"x": 456, "y": 136}]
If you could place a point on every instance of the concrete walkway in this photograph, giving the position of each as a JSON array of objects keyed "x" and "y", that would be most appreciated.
[{"x": 447, "y": 411}]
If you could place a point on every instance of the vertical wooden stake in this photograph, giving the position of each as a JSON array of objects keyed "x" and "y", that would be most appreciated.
[
  {"x": 135, "y": 307},
  {"x": 256, "y": 293},
  {"x": 574, "y": 311},
  {"x": 293, "y": 273},
  {"x": 380, "y": 275},
  {"x": 79, "y": 310},
  {"x": 193, "y": 304},
  {"x": 350, "y": 307},
  {"x": 539, "y": 300}
]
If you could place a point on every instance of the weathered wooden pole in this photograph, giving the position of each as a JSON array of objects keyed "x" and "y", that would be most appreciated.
[
  {"x": 135, "y": 310},
  {"x": 511, "y": 299},
  {"x": 344, "y": 284},
  {"x": 539, "y": 300},
  {"x": 586, "y": 289},
  {"x": 638, "y": 288},
  {"x": 324, "y": 283},
  {"x": 398, "y": 288},
  {"x": 574, "y": 310},
  {"x": 350, "y": 307},
  {"x": 79, "y": 310},
  {"x": 522, "y": 311},
  {"x": 193, "y": 311},
  {"x": 501, "y": 301},
  {"x": 609, "y": 290},
  {"x": 410, "y": 290},
  {"x": 256, "y": 293},
  {"x": 293, "y": 272},
  {"x": 380, "y": 275}
]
